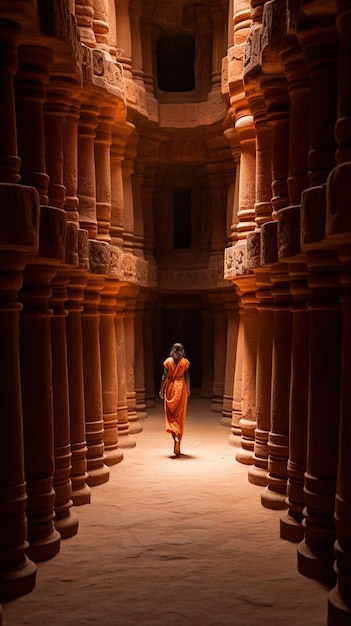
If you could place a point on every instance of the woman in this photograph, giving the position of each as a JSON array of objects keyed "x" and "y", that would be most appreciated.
[{"x": 175, "y": 390}]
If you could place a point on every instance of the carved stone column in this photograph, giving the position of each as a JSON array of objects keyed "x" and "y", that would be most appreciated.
[
  {"x": 291, "y": 527},
  {"x": 248, "y": 421},
  {"x": 30, "y": 89},
  {"x": 124, "y": 39},
  {"x": 315, "y": 552},
  {"x": 208, "y": 365},
  {"x": 66, "y": 522},
  {"x": 101, "y": 24},
  {"x": 99, "y": 257},
  {"x": 338, "y": 230},
  {"x": 36, "y": 382},
  {"x": 84, "y": 11},
  {"x": 231, "y": 307},
  {"x": 128, "y": 320},
  {"x": 75, "y": 294},
  {"x": 70, "y": 161},
  {"x": 220, "y": 335},
  {"x": 149, "y": 354},
  {"x": 257, "y": 473},
  {"x": 125, "y": 438},
  {"x": 120, "y": 135},
  {"x": 10, "y": 34},
  {"x": 237, "y": 405},
  {"x": 56, "y": 108},
  {"x": 109, "y": 370},
  {"x": 318, "y": 37},
  {"x": 139, "y": 367},
  {"x": 86, "y": 168},
  {"x": 274, "y": 496},
  {"x": 19, "y": 235},
  {"x": 102, "y": 145},
  {"x": 128, "y": 216}
]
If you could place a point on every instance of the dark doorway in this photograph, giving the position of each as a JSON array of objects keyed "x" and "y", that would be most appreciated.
[
  {"x": 175, "y": 54},
  {"x": 184, "y": 325}
]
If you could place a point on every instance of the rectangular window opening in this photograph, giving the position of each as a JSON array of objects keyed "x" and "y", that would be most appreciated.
[{"x": 181, "y": 218}]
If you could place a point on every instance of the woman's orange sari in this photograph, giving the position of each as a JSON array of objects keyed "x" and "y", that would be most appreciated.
[{"x": 176, "y": 395}]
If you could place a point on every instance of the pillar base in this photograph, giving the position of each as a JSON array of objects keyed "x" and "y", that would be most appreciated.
[
  {"x": 258, "y": 476},
  {"x": 98, "y": 476},
  {"x": 291, "y": 529},
  {"x": 46, "y": 548},
  {"x": 67, "y": 526},
  {"x": 339, "y": 613},
  {"x": 81, "y": 496},
  {"x": 226, "y": 421},
  {"x": 112, "y": 457},
  {"x": 234, "y": 440},
  {"x": 244, "y": 456},
  {"x": 126, "y": 441},
  {"x": 135, "y": 427},
  {"x": 274, "y": 500},
  {"x": 312, "y": 566},
  {"x": 18, "y": 582}
]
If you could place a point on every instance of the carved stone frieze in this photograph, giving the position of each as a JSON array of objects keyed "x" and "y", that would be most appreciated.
[
  {"x": 192, "y": 280},
  {"x": 102, "y": 71},
  {"x": 99, "y": 256},
  {"x": 313, "y": 214},
  {"x": 253, "y": 54},
  {"x": 192, "y": 114},
  {"x": 269, "y": 246},
  {"x": 52, "y": 233},
  {"x": 71, "y": 244},
  {"x": 235, "y": 261},
  {"x": 253, "y": 249}
]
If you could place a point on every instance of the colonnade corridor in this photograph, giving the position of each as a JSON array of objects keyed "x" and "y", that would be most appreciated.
[{"x": 174, "y": 542}]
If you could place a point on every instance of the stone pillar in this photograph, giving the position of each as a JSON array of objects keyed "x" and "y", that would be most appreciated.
[
  {"x": 207, "y": 343},
  {"x": 75, "y": 294},
  {"x": 56, "y": 108},
  {"x": 30, "y": 89},
  {"x": 257, "y": 473},
  {"x": 66, "y": 522},
  {"x": 319, "y": 40},
  {"x": 129, "y": 333},
  {"x": 248, "y": 421},
  {"x": 125, "y": 438},
  {"x": 36, "y": 382},
  {"x": 274, "y": 496},
  {"x": 124, "y": 38},
  {"x": 149, "y": 354},
  {"x": 109, "y": 370},
  {"x": 10, "y": 34},
  {"x": 237, "y": 407},
  {"x": 86, "y": 168},
  {"x": 231, "y": 307},
  {"x": 84, "y": 11},
  {"x": 338, "y": 229},
  {"x": 119, "y": 138},
  {"x": 339, "y": 605},
  {"x": 101, "y": 24},
  {"x": 20, "y": 205},
  {"x": 220, "y": 344},
  {"x": 315, "y": 552},
  {"x": 99, "y": 257},
  {"x": 291, "y": 527},
  {"x": 139, "y": 367},
  {"x": 70, "y": 161},
  {"x": 128, "y": 216},
  {"x": 102, "y": 145},
  {"x": 137, "y": 59}
]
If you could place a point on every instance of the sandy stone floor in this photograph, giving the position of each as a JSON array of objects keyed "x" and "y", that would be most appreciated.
[{"x": 174, "y": 542}]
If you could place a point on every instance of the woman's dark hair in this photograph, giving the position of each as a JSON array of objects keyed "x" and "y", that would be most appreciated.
[{"x": 177, "y": 351}]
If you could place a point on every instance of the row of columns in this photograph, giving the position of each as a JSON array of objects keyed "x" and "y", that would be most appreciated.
[
  {"x": 294, "y": 280},
  {"x": 72, "y": 387}
]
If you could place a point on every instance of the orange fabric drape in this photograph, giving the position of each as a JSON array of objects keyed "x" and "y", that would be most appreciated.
[{"x": 176, "y": 395}]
